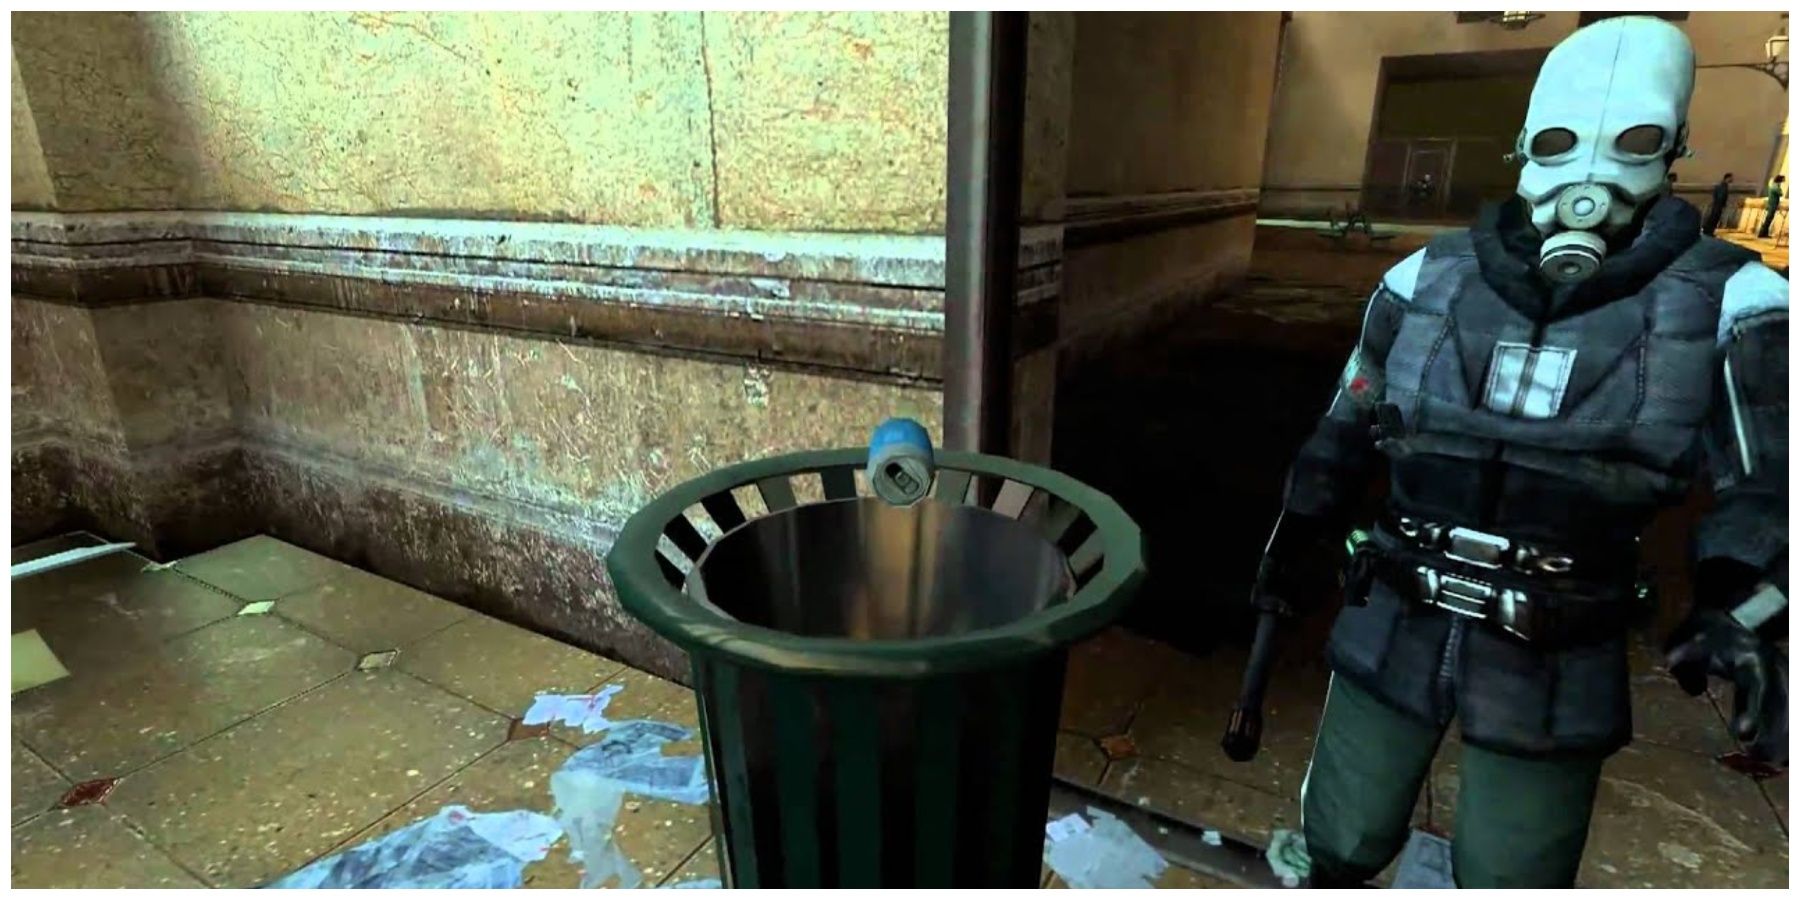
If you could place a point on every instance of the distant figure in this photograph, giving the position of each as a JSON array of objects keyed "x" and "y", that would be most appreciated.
[
  {"x": 1773, "y": 206},
  {"x": 1716, "y": 210}
]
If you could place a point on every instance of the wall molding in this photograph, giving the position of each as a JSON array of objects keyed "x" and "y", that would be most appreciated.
[
  {"x": 864, "y": 304},
  {"x": 1098, "y": 220}
]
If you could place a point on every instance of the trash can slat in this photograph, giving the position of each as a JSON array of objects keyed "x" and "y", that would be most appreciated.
[
  {"x": 952, "y": 486},
  {"x": 723, "y": 508},
  {"x": 686, "y": 537},
  {"x": 839, "y": 483},
  {"x": 777, "y": 493}
]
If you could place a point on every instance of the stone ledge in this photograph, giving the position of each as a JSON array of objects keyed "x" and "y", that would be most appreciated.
[
  {"x": 1097, "y": 220},
  {"x": 860, "y": 303}
]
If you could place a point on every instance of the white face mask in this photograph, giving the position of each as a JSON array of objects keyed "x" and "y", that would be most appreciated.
[{"x": 1607, "y": 115}]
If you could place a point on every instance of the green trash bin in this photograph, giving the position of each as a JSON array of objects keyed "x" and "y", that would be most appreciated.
[{"x": 879, "y": 686}]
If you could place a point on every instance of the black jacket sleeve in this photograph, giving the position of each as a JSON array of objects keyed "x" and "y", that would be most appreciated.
[
  {"x": 1333, "y": 468},
  {"x": 1743, "y": 539}
]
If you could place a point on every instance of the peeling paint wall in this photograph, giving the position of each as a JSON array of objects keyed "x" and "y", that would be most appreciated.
[{"x": 824, "y": 122}]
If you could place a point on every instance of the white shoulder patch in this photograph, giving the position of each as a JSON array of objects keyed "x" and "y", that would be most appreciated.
[
  {"x": 1404, "y": 276},
  {"x": 1751, "y": 290}
]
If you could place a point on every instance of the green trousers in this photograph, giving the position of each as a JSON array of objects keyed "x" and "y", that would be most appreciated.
[{"x": 1520, "y": 822}]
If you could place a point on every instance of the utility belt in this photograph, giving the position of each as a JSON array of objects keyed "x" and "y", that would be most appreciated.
[{"x": 1536, "y": 594}]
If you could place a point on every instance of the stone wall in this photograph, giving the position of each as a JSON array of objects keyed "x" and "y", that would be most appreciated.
[
  {"x": 448, "y": 295},
  {"x": 1331, "y": 72}
]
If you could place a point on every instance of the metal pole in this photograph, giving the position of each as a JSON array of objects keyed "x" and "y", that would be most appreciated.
[{"x": 981, "y": 259}]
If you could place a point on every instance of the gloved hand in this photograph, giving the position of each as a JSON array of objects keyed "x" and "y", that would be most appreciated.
[
  {"x": 1301, "y": 564},
  {"x": 1711, "y": 642}
]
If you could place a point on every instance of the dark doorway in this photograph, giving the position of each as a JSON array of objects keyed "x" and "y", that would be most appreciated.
[{"x": 1444, "y": 125}]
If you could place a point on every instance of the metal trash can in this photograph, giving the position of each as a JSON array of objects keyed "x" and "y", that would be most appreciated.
[{"x": 879, "y": 685}]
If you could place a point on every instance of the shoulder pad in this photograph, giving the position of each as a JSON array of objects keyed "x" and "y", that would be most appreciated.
[
  {"x": 1752, "y": 290},
  {"x": 1404, "y": 276}
]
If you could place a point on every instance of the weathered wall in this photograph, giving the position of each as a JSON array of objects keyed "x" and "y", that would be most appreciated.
[
  {"x": 30, "y": 178},
  {"x": 1157, "y": 183},
  {"x": 1324, "y": 109},
  {"x": 426, "y": 381},
  {"x": 830, "y": 121}
]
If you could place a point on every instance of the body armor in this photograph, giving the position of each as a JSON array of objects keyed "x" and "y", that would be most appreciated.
[{"x": 1530, "y": 431}]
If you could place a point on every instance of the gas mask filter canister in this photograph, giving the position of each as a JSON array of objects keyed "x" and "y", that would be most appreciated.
[{"x": 1575, "y": 253}]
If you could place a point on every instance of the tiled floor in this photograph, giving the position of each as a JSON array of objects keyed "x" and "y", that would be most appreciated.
[
  {"x": 1668, "y": 815},
  {"x": 246, "y": 746}
]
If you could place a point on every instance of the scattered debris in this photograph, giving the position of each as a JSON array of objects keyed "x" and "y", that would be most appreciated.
[
  {"x": 456, "y": 848},
  {"x": 1118, "y": 747},
  {"x": 379, "y": 660},
  {"x": 1287, "y": 857},
  {"x": 257, "y": 608},
  {"x": 1212, "y": 838},
  {"x": 584, "y": 711},
  {"x": 65, "y": 558},
  {"x": 88, "y": 793},
  {"x": 159, "y": 567},
  {"x": 1103, "y": 854},
  {"x": 1425, "y": 863},
  {"x": 590, "y": 790}
]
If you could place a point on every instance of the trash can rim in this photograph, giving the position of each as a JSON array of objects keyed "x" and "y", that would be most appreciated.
[{"x": 646, "y": 593}]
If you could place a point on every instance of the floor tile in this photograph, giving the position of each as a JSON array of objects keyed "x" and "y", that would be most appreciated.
[
  {"x": 1202, "y": 798},
  {"x": 35, "y": 786},
  {"x": 89, "y": 847},
  {"x": 1776, "y": 789},
  {"x": 702, "y": 865},
  {"x": 1078, "y": 759},
  {"x": 1661, "y": 820},
  {"x": 1109, "y": 676},
  {"x": 1180, "y": 879},
  {"x": 261, "y": 568},
  {"x": 265, "y": 797},
  {"x": 367, "y": 613},
  {"x": 502, "y": 667},
  {"x": 1185, "y": 717},
  {"x": 103, "y": 610},
  {"x": 513, "y": 776},
  {"x": 106, "y": 723},
  {"x": 1662, "y": 713}
]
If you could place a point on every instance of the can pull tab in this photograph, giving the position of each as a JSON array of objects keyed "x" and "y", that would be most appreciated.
[{"x": 901, "y": 462}]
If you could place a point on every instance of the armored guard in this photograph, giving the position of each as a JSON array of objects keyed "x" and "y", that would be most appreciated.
[{"x": 1538, "y": 387}]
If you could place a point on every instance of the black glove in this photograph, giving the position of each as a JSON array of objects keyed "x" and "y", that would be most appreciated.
[
  {"x": 1711, "y": 642},
  {"x": 1301, "y": 564}
]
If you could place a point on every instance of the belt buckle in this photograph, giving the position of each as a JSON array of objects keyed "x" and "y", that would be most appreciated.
[
  {"x": 1462, "y": 596},
  {"x": 1477, "y": 548}
]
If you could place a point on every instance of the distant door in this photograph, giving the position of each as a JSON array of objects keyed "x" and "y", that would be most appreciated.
[{"x": 1427, "y": 183}]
